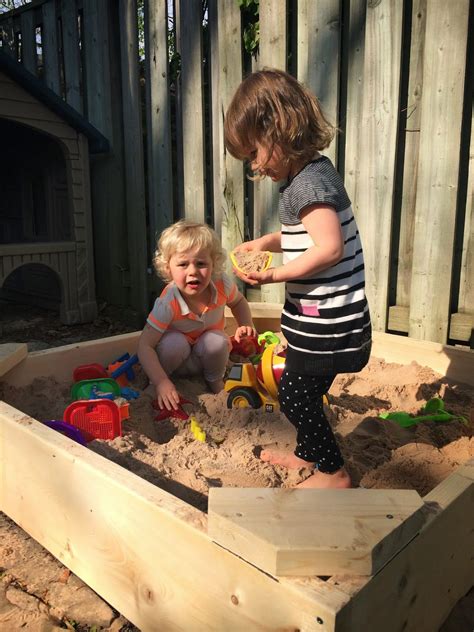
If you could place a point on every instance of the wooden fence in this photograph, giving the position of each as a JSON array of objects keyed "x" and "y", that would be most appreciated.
[{"x": 396, "y": 76}]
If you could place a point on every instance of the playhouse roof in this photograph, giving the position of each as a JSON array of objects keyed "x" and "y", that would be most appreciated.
[{"x": 98, "y": 143}]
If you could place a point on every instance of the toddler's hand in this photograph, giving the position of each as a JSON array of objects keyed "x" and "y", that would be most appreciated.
[
  {"x": 260, "y": 278},
  {"x": 243, "y": 332},
  {"x": 166, "y": 395},
  {"x": 247, "y": 246}
]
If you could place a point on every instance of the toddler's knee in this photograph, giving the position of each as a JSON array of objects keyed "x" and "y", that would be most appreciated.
[
  {"x": 214, "y": 342},
  {"x": 173, "y": 349}
]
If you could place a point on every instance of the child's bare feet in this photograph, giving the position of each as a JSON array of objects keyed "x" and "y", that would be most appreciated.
[
  {"x": 217, "y": 386},
  {"x": 320, "y": 480},
  {"x": 287, "y": 459}
]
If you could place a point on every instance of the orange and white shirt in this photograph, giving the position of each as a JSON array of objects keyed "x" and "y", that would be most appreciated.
[{"x": 171, "y": 312}]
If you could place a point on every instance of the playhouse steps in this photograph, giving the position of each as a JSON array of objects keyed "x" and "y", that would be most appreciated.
[{"x": 314, "y": 531}]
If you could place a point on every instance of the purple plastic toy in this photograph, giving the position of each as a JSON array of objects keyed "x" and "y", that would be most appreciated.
[{"x": 66, "y": 429}]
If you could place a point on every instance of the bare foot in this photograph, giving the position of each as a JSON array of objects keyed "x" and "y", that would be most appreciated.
[
  {"x": 320, "y": 480},
  {"x": 287, "y": 459},
  {"x": 217, "y": 386}
]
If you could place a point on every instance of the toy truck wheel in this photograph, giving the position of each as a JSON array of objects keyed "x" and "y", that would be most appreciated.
[{"x": 243, "y": 398}]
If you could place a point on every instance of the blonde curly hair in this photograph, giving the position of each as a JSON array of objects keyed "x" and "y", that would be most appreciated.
[{"x": 183, "y": 236}]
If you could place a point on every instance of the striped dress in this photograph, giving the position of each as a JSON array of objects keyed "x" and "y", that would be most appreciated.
[{"x": 325, "y": 317}]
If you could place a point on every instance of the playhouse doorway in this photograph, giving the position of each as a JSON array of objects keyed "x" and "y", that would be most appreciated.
[{"x": 34, "y": 203}]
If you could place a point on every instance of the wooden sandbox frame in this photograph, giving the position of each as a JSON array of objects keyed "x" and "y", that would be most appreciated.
[{"x": 148, "y": 554}]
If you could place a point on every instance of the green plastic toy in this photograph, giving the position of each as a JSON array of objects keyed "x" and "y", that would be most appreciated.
[
  {"x": 85, "y": 388},
  {"x": 432, "y": 411}
]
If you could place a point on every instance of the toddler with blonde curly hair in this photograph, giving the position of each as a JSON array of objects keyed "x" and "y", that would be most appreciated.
[{"x": 184, "y": 333}]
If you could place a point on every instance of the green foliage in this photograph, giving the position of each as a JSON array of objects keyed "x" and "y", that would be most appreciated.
[{"x": 251, "y": 25}]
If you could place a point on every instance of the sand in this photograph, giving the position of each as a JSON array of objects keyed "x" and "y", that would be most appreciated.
[{"x": 378, "y": 453}]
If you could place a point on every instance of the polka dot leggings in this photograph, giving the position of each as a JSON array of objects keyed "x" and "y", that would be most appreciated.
[{"x": 301, "y": 400}]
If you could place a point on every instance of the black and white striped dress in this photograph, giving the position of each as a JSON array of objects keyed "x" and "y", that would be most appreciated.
[{"x": 325, "y": 318}]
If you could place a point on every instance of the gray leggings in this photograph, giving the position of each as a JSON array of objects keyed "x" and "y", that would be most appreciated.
[{"x": 208, "y": 356}]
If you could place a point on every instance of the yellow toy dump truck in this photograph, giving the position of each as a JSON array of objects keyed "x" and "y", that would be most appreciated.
[{"x": 256, "y": 386}]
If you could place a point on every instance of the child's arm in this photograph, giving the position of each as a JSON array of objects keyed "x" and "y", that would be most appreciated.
[
  {"x": 323, "y": 226},
  {"x": 270, "y": 242},
  {"x": 166, "y": 393},
  {"x": 241, "y": 311}
]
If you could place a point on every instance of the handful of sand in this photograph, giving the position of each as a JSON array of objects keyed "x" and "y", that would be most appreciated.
[{"x": 252, "y": 261}]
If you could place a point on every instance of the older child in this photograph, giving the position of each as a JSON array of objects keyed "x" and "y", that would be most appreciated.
[
  {"x": 184, "y": 333},
  {"x": 277, "y": 124}
]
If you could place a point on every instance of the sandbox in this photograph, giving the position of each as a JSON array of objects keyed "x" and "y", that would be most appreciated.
[{"x": 146, "y": 549}]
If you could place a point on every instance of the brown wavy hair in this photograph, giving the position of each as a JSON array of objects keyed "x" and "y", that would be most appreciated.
[{"x": 273, "y": 108}]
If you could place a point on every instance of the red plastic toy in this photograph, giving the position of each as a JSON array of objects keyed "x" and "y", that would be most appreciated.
[
  {"x": 89, "y": 372},
  {"x": 248, "y": 346},
  {"x": 164, "y": 413},
  {"x": 96, "y": 418}
]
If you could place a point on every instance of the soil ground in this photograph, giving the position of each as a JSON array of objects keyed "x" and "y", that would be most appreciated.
[{"x": 36, "y": 591}]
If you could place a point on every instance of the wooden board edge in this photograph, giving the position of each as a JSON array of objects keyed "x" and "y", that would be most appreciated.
[
  {"x": 141, "y": 549},
  {"x": 11, "y": 354},
  {"x": 418, "y": 588}
]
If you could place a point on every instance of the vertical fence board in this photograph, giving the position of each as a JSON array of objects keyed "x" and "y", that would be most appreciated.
[
  {"x": 71, "y": 54},
  {"x": 189, "y": 40},
  {"x": 134, "y": 170},
  {"x": 378, "y": 144},
  {"x": 228, "y": 172},
  {"x": 355, "y": 47},
  {"x": 466, "y": 293},
  {"x": 438, "y": 166},
  {"x": 272, "y": 54},
  {"x": 319, "y": 42},
  {"x": 97, "y": 70},
  {"x": 412, "y": 137},
  {"x": 50, "y": 47},
  {"x": 160, "y": 193},
  {"x": 28, "y": 42}
]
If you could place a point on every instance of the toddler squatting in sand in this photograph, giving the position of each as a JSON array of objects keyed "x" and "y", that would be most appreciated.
[{"x": 184, "y": 333}]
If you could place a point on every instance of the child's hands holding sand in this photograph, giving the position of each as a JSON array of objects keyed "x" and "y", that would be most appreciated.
[
  {"x": 251, "y": 264},
  {"x": 166, "y": 395}
]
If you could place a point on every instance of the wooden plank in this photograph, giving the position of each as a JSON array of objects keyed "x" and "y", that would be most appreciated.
[
  {"x": 28, "y": 42},
  {"x": 128, "y": 541},
  {"x": 108, "y": 186},
  {"x": 229, "y": 219},
  {"x": 40, "y": 247},
  {"x": 134, "y": 168},
  {"x": 438, "y": 168},
  {"x": 50, "y": 47},
  {"x": 460, "y": 324},
  {"x": 319, "y": 42},
  {"x": 273, "y": 23},
  {"x": 71, "y": 54},
  {"x": 11, "y": 353},
  {"x": 378, "y": 148},
  {"x": 416, "y": 591},
  {"x": 354, "y": 41},
  {"x": 158, "y": 112},
  {"x": 466, "y": 290},
  {"x": 461, "y": 327},
  {"x": 189, "y": 43},
  {"x": 96, "y": 59},
  {"x": 410, "y": 163},
  {"x": 314, "y": 531}
]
